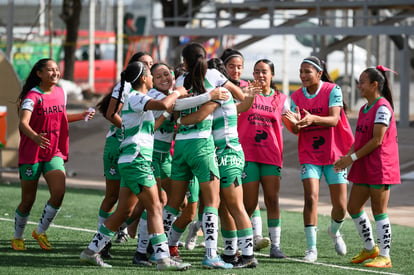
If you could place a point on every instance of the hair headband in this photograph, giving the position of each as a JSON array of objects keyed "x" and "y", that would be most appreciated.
[
  {"x": 313, "y": 63},
  {"x": 231, "y": 56},
  {"x": 141, "y": 69}
]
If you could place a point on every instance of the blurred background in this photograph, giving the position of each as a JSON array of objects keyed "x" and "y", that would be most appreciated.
[{"x": 92, "y": 41}]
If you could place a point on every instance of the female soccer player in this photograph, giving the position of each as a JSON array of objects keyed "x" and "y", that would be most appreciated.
[
  {"x": 324, "y": 135},
  {"x": 375, "y": 166},
  {"x": 138, "y": 181},
  {"x": 260, "y": 132},
  {"x": 43, "y": 149}
]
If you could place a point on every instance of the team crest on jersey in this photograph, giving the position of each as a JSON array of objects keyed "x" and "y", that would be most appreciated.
[
  {"x": 112, "y": 171},
  {"x": 39, "y": 101},
  {"x": 29, "y": 172}
]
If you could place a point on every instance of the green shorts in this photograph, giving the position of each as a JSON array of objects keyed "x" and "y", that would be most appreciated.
[
  {"x": 136, "y": 174},
  {"x": 194, "y": 157},
  {"x": 253, "y": 171},
  {"x": 316, "y": 171},
  {"x": 193, "y": 190},
  {"x": 110, "y": 158},
  {"x": 230, "y": 163},
  {"x": 33, "y": 171},
  {"x": 162, "y": 164},
  {"x": 375, "y": 186}
]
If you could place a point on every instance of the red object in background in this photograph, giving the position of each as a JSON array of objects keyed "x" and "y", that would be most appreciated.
[
  {"x": 105, "y": 61},
  {"x": 3, "y": 126}
]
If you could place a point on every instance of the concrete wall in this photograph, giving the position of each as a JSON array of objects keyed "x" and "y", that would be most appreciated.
[{"x": 10, "y": 89}]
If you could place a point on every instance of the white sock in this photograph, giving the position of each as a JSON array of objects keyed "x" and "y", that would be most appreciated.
[
  {"x": 160, "y": 245},
  {"x": 49, "y": 214},
  {"x": 143, "y": 236},
  {"x": 363, "y": 226},
  {"x": 169, "y": 215},
  {"x": 383, "y": 228},
  {"x": 257, "y": 225},
  {"x": 175, "y": 235},
  {"x": 210, "y": 225},
  {"x": 246, "y": 241},
  {"x": 274, "y": 234},
  {"x": 20, "y": 222},
  {"x": 101, "y": 239},
  {"x": 230, "y": 242}
]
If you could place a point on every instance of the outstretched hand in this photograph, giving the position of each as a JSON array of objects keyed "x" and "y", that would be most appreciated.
[
  {"x": 252, "y": 89},
  {"x": 306, "y": 121}
]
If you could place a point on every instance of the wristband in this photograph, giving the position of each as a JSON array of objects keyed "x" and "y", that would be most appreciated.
[
  {"x": 354, "y": 157},
  {"x": 179, "y": 120},
  {"x": 177, "y": 93},
  {"x": 166, "y": 114}
]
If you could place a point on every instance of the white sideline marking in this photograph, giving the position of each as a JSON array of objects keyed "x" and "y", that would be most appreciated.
[
  {"x": 257, "y": 253},
  {"x": 334, "y": 266},
  {"x": 57, "y": 226}
]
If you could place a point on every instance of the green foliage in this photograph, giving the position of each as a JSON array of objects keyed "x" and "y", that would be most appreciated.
[{"x": 80, "y": 209}]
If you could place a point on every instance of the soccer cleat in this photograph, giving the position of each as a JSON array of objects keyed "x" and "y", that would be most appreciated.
[
  {"x": 259, "y": 243},
  {"x": 171, "y": 264},
  {"x": 340, "y": 246},
  {"x": 152, "y": 259},
  {"x": 141, "y": 259},
  {"x": 122, "y": 236},
  {"x": 42, "y": 240},
  {"x": 191, "y": 240},
  {"x": 174, "y": 254},
  {"x": 217, "y": 262},
  {"x": 246, "y": 262},
  {"x": 92, "y": 258},
  {"x": 105, "y": 252},
  {"x": 276, "y": 252},
  {"x": 365, "y": 255},
  {"x": 230, "y": 259},
  {"x": 18, "y": 244},
  {"x": 311, "y": 255},
  {"x": 380, "y": 262}
]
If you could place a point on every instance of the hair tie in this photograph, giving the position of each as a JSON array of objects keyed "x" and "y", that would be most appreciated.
[
  {"x": 385, "y": 69},
  {"x": 313, "y": 63},
  {"x": 141, "y": 69}
]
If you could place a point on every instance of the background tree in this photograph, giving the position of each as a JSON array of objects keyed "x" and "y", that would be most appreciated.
[{"x": 71, "y": 11}]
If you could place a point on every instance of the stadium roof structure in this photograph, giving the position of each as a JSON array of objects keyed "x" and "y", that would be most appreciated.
[{"x": 351, "y": 20}]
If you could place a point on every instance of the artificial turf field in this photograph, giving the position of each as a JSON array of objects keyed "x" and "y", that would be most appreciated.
[{"x": 76, "y": 223}]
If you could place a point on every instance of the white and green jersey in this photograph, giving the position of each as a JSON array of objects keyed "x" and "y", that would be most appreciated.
[
  {"x": 137, "y": 128},
  {"x": 113, "y": 130},
  {"x": 225, "y": 126},
  {"x": 164, "y": 135},
  {"x": 202, "y": 129}
]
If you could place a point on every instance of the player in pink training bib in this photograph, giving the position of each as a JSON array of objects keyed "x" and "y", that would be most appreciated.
[
  {"x": 43, "y": 148},
  {"x": 375, "y": 166},
  {"x": 318, "y": 117}
]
